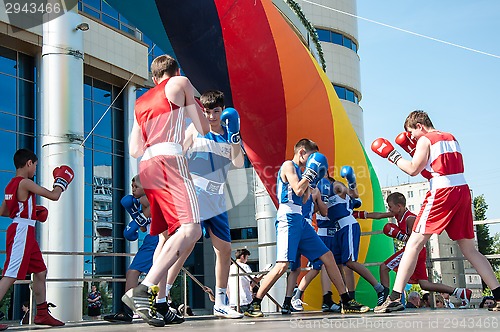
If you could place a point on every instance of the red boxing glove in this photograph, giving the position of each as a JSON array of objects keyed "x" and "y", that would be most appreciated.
[
  {"x": 41, "y": 213},
  {"x": 384, "y": 148},
  {"x": 63, "y": 175},
  {"x": 407, "y": 142},
  {"x": 394, "y": 231},
  {"x": 359, "y": 214}
]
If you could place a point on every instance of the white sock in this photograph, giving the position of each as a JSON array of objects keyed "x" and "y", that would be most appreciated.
[
  {"x": 167, "y": 289},
  {"x": 161, "y": 300},
  {"x": 148, "y": 284},
  {"x": 220, "y": 296}
]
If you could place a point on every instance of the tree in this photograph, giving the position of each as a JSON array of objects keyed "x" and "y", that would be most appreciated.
[{"x": 485, "y": 241}]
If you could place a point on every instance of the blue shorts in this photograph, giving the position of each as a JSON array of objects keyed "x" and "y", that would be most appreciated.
[
  {"x": 213, "y": 214},
  {"x": 346, "y": 243},
  {"x": 143, "y": 260},
  {"x": 219, "y": 225},
  {"x": 329, "y": 241},
  {"x": 294, "y": 236}
]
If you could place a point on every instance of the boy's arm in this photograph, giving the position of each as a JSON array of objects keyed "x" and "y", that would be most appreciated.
[
  {"x": 289, "y": 175},
  {"x": 417, "y": 164},
  {"x": 319, "y": 205},
  {"x": 189, "y": 137},
  {"x": 136, "y": 142},
  {"x": 26, "y": 186},
  {"x": 409, "y": 224},
  {"x": 180, "y": 86},
  {"x": 145, "y": 210},
  {"x": 372, "y": 215},
  {"x": 237, "y": 155}
]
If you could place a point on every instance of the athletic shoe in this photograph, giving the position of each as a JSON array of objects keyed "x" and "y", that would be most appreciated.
[
  {"x": 382, "y": 296},
  {"x": 464, "y": 294},
  {"x": 389, "y": 306},
  {"x": 334, "y": 307},
  {"x": 43, "y": 316},
  {"x": 141, "y": 300},
  {"x": 495, "y": 307},
  {"x": 169, "y": 316},
  {"x": 254, "y": 310},
  {"x": 226, "y": 311},
  {"x": 119, "y": 317},
  {"x": 297, "y": 305},
  {"x": 353, "y": 307},
  {"x": 3, "y": 327},
  {"x": 286, "y": 309}
]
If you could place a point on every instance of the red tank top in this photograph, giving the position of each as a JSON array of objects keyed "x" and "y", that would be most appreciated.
[
  {"x": 19, "y": 209},
  {"x": 402, "y": 223},
  {"x": 445, "y": 155},
  {"x": 160, "y": 120}
]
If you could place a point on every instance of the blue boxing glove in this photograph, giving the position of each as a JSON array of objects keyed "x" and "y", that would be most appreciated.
[
  {"x": 325, "y": 189},
  {"x": 131, "y": 232},
  {"x": 134, "y": 208},
  {"x": 316, "y": 167},
  {"x": 231, "y": 120},
  {"x": 348, "y": 173}
]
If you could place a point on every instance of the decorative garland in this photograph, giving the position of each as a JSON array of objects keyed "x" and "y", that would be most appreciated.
[{"x": 310, "y": 28}]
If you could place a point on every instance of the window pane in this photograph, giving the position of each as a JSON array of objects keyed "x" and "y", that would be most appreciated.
[
  {"x": 8, "y": 61},
  {"x": 102, "y": 92},
  {"x": 8, "y": 100},
  {"x": 91, "y": 12},
  {"x": 340, "y": 91},
  {"x": 354, "y": 47},
  {"x": 347, "y": 42},
  {"x": 102, "y": 126},
  {"x": 110, "y": 21},
  {"x": 324, "y": 35},
  {"x": 349, "y": 95},
  {"x": 337, "y": 38},
  {"x": 108, "y": 10}
]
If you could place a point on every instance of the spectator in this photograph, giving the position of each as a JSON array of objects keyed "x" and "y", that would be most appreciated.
[
  {"x": 26, "y": 313},
  {"x": 246, "y": 284},
  {"x": 425, "y": 302},
  {"x": 440, "y": 301},
  {"x": 413, "y": 300},
  {"x": 488, "y": 302},
  {"x": 94, "y": 303},
  {"x": 447, "y": 301}
]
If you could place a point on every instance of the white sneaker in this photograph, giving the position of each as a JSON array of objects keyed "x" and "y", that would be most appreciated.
[
  {"x": 226, "y": 311},
  {"x": 297, "y": 305}
]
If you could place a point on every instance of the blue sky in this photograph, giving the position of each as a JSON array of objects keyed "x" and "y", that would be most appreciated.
[{"x": 459, "y": 89}]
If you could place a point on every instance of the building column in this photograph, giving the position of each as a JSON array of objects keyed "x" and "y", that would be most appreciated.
[
  {"x": 265, "y": 214},
  {"x": 61, "y": 135}
]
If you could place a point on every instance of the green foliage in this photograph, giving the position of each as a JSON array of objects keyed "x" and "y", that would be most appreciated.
[
  {"x": 485, "y": 242},
  {"x": 310, "y": 28}
]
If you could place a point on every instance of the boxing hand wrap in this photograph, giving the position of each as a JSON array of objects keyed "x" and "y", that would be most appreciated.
[
  {"x": 316, "y": 167},
  {"x": 231, "y": 120},
  {"x": 384, "y": 148},
  {"x": 131, "y": 232},
  {"x": 41, "y": 213},
  {"x": 394, "y": 231},
  {"x": 407, "y": 142},
  {"x": 63, "y": 175},
  {"x": 359, "y": 214},
  {"x": 348, "y": 173}
]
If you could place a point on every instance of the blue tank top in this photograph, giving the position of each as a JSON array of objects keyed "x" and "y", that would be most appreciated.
[
  {"x": 210, "y": 157},
  {"x": 340, "y": 208},
  {"x": 308, "y": 209},
  {"x": 288, "y": 201}
]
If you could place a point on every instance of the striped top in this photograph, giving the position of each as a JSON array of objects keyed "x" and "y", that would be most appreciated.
[
  {"x": 18, "y": 209},
  {"x": 160, "y": 120},
  {"x": 210, "y": 156},
  {"x": 445, "y": 154}
]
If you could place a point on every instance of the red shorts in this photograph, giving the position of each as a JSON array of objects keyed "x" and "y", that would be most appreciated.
[
  {"x": 170, "y": 191},
  {"x": 23, "y": 253},
  {"x": 447, "y": 209},
  {"x": 420, "y": 272}
]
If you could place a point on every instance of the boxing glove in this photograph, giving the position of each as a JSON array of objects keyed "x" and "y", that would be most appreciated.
[
  {"x": 356, "y": 203},
  {"x": 348, "y": 173},
  {"x": 63, "y": 175},
  {"x": 131, "y": 232},
  {"x": 41, "y": 213},
  {"x": 134, "y": 208},
  {"x": 384, "y": 148},
  {"x": 325, "y": 189},
  {"x": 231, "y": 120},
  {"x": 316, "y": 167},
  {"x": 394, "y": 231},
  {"x": 407, "y": 142},
  {"x": 359, "y": 214}
]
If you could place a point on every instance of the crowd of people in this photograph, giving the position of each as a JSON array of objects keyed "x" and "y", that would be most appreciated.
[{"x": 178, "y": 196}]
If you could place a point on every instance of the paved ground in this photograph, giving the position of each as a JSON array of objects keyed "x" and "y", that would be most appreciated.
[{"x": 417, "y": 319}]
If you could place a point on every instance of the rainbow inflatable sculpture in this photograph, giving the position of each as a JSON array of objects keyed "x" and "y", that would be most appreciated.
[{"x": 249, "y": 51}]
